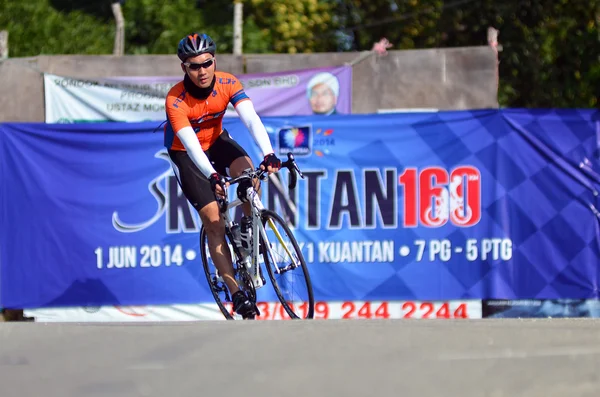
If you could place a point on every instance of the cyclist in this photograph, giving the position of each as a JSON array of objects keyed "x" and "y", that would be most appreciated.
[{"x": 201, "y": 150}]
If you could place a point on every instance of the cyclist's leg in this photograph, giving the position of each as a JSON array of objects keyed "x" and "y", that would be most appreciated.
[
  {"x": 229, "y": 154},
  {"x": 237, "y": 167},
  {"x": 219, "y": 250},
  {"x": 221, "y": 256},
  {"x": 197, "y": 190}
]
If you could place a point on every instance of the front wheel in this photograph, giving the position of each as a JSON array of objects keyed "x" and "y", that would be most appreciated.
[
  {"x": 216, "y": 283},
  {"x": 286, "y": 267}
]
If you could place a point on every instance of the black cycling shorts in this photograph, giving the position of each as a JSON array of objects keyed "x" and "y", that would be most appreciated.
[{"x": 194, "y": 185}]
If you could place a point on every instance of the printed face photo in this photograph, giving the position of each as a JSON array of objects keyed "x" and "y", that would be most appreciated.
[{"x": 322, "y": 99}]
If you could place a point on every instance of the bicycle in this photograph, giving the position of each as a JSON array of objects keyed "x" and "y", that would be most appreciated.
[{"x": 265, "y": 236}]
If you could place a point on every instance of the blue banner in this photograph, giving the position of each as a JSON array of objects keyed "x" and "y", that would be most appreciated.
[{"x": 487, "y": 204}]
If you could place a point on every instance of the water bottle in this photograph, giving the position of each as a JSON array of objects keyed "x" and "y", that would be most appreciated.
[
  {"x": 246, "y": 233},
  {"x": 237, "y": 240}
]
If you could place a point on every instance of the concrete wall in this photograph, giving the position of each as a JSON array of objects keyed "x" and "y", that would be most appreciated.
[{"x": 447, "y": 79}]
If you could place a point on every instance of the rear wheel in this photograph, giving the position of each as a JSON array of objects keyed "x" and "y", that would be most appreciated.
[{"x": 286, "y": 267}]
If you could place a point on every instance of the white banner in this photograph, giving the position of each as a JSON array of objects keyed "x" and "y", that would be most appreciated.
[
  {"x": 467, "y": 309},
  {"x": 131, "y": 99},
  {"x": 142, "y": 98}
]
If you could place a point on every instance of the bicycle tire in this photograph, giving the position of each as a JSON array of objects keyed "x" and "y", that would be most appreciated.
[
  {"x": 265, "y": 215},
  {"x": 203, "y": 249}
]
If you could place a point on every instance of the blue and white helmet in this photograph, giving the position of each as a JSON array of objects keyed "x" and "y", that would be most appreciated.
[{"x": 195, "y": 44}]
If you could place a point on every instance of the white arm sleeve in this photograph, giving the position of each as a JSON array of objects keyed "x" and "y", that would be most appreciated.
[
  {"x": 192, "y": 145},
  {"x": 251, "y": 120}
]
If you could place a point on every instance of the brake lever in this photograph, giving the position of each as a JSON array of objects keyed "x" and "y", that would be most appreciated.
[
  {"x": 298, "y": 170},
  {"x": 292, "y": 160},
  {"x": 222, "y": 201}
]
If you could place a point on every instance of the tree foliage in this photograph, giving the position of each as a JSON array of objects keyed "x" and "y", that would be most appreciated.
[
  {"x": 408, "y": 24},
  {"x": 293, "y": 26},
  {"x": 549, "y": 54},
  {"x": 36, "y": 28},
  {"x": 155, "y": 27},
  {"x": 550, "y": 48}
]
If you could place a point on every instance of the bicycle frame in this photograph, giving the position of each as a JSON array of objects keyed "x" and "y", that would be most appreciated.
[{"x": 251, "y": 264}]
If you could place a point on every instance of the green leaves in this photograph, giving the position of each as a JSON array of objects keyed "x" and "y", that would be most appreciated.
[
  {"x": 550, "y": 48},
  {"x": 36, "y": 28},
  {"x": 292, "y": 26},
  {"x": 155, "y": 27},
  {"x": 406, "y": 24}
]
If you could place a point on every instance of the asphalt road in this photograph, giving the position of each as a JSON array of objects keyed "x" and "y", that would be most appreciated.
[{"x": 555, "y": 357}]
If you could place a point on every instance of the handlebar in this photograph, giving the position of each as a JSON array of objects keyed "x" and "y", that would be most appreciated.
[{"x": 290, "y": 164}]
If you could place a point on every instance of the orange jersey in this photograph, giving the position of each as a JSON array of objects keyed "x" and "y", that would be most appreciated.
[{"x": 205, "y": 116}]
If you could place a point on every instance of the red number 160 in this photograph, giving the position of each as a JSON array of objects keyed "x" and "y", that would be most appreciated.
[{"x": 437, "y": 197}]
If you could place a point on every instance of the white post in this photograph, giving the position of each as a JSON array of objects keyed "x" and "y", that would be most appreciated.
[
  {"x": 237, "y": 27},
  {"x": 119, "y": 45},
  {"x": 598, "y": 23},
  {"x": 3, "y": 44},
  {"x": 492, "y": 37}
]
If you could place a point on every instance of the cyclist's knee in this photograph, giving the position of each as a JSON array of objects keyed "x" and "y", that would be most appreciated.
[
  {"x": 211, "y": 220},
  {"x": 242, "y": 188},
  {"x": 239, "y": 165},
  {"x": 215, "y": 231}
]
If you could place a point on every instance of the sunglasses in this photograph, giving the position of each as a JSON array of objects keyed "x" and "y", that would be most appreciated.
[{"x": 198, "y": 66}]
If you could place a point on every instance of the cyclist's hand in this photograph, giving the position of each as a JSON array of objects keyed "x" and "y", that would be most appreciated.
[
  {"x": 271, "y": 163},
  {"x": 218, "y": 184}
]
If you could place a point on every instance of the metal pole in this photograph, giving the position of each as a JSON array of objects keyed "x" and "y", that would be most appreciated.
[
  {"x": 3, "y": 44},
  {"x": 598, "y": 24},
  {"x": 237, "y": 27},
  {"x": 119, "y": 45}
]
